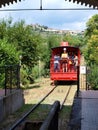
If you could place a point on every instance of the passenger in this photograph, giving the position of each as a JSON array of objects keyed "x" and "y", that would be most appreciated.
[
  {"x": 64, "y": 57},
  {"x": 72, "y": 57},
  {"x": 69, "y": 55},
  {"x": 70, "y": 64},
  {"x": 76, "y": 62},
  {"x": 57, "y": 63},
  {"x": 71, "y": 61},
  {"x": 65, "y": 54}
]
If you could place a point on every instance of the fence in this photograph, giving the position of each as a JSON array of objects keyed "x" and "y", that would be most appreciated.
[{"x": 10, "y": 78}]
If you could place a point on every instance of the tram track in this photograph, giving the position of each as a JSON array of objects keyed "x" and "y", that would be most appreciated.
[
  {"x": 31, "y": 110},
  {"x": 60, "y": 93},
  {"x": 61, "y": 106},
  {"x": 60, "y": 90}
]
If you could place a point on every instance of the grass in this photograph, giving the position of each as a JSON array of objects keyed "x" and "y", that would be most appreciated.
[
  {"x": 40, "y": 113},
  {"x": 65, "y": 112}
]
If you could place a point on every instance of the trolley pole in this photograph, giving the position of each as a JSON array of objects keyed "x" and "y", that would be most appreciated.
[{"x": 78, "y": 81}]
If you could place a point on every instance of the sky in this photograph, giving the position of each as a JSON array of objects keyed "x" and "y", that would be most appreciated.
[{"x": 56, "y": 19}]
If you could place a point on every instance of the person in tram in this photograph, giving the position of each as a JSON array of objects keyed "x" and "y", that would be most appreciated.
[
  {"x": 70, "y": 61},
  {"x": 57, "y": 63},
  {"x": 70, "y": 64},
  {"x": 64, "y": 57},
  {"x": 76, "y": 61}
]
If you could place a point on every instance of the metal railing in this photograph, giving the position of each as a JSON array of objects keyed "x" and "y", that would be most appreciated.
[
  {"x": 51, "y": 122},
  {"x": 10, "y": 78}
]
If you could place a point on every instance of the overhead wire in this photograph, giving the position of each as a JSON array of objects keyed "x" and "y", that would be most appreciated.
[{"x": 27, "y": 9}]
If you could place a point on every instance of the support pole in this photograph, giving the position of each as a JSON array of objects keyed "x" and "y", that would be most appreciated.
[
  {"x": 40, "y": 4},
  {"x": 78, "y": 81}
]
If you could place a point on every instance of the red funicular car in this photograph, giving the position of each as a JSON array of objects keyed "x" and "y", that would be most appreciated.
[{"x": 63, "y": 63}]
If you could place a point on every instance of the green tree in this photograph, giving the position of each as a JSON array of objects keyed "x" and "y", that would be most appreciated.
[
  {"x": 20, "y": 40},
  {"x": 93, "y": 76},
  {"x": 74, "y": 40},
  {"x": 91, "y": 50},
  {"x": 8, "y": 53},
  {"x": 8, "y": 56},
  {"x": 91, "y": 25},
  {"x": 23, "y": 37},
  {"x": 51, "y": 41}
]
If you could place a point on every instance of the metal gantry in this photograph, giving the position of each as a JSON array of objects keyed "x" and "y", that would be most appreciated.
[{"x": 93, "y": 3}]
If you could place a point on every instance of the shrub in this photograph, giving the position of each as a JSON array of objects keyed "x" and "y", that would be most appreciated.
[{"x": 93, "y": 77}]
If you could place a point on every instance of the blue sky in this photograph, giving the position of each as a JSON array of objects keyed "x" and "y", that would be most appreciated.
[{"x": 57, "y": 19}]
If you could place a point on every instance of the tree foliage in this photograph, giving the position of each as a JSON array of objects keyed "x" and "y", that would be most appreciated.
[
  {"x": 91, "y": 36},
  {"x": 74, "y": 40},
  {"x": 51, "y": 41},
  {"x": 19, "y": 39},
  {"x": 91, "y": 50},
  {"x": 93, "y": 76},
  {"x": 8, "y": 53},
  {"x": 91, "y": 25}
]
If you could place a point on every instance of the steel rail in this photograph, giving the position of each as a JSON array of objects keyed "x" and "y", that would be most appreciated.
[
  {"x": 32, "y": 109},
  {"x": 61, "y": 106}
]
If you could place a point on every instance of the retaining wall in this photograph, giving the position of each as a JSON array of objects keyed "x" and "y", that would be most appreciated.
[{"x": 10, "y": 103}]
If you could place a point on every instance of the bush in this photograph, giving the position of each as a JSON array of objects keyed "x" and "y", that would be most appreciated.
[
  {"x": 24, "y": 76},
  {"x": 93, "y": 77},
  {"x": 35, "y": 72}
]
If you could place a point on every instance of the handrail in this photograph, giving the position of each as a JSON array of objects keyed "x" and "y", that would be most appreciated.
[
  {"x": 11, "y": 77},
  {"x": 51, "y": 122},
  {"x": 69, "y": 65}
]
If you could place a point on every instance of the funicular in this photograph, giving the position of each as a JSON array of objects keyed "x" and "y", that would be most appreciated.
[{"x": 69, "y": 74}]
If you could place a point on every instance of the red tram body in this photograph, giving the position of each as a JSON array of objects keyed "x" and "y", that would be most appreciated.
[{"x": 71, "y": 73}]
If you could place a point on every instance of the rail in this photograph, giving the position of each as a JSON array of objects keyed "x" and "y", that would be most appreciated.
[
  {"x": 51, "y": 122},
  {"x": 61, "y": 106},
  {"x": 29, "y": 112}
]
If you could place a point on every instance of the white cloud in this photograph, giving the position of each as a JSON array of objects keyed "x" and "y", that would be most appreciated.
[{"x": 70, "y": 26}]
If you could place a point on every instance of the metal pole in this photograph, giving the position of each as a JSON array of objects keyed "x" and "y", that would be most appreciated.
[
  {"x": 78, "y": 81},
  {"x": 40, "y": 4},
  {"x": 39, "y": 68},
  {"x": 86, "y": 79},
  {"x": 18, "y": 76},
  {"x": 5, "y": 80},
  {"x": 11, "y": 78},
  {"x": 18, "y": 69}
]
